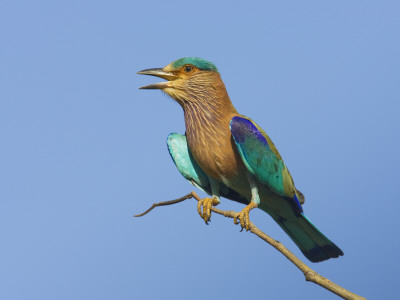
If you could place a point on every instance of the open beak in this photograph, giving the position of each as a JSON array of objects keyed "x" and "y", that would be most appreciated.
[{"x": 158, "y": 73}]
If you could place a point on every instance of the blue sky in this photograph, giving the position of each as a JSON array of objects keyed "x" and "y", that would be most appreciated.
[{"x": 83, "y": 149}]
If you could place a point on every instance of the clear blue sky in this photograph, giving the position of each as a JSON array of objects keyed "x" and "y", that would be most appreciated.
[{"x": 82, "y": 149}]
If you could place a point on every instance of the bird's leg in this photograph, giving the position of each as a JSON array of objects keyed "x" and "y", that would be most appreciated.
[
  {"x": 243, "y": 216},
  {"x": 207, "y": 203}
]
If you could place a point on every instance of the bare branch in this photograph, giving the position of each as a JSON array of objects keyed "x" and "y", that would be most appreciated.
[
  {"x": 164, "y": 203},
  {"x": 309, "y": 274}
]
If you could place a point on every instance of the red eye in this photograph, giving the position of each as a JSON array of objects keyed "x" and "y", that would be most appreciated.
[{"x": 188, "y": 69}]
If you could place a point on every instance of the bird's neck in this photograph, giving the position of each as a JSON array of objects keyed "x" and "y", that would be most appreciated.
[
  {"x": 209, "y": 114},
  {"x": 208, "y": 134}
]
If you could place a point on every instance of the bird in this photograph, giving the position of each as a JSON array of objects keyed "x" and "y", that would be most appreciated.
[{"x": 226, "y": 154}]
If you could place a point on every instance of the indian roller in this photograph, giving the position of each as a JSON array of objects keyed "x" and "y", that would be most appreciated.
[{"x": 228, "y": 155}]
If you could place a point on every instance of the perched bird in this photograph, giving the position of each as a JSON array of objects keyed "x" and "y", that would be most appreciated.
[{"x": 228, "y": 155}]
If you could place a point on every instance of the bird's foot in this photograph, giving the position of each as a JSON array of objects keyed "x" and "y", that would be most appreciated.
[
  {"x": 206, "y": 203},
  {"x": 243, "y": 216}
]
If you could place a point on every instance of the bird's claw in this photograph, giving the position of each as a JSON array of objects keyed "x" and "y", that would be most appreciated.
[
  {"x": 206, "y": 203},
  {"x": 243, "y": 216},
  {"x": 244, "y": 219}
]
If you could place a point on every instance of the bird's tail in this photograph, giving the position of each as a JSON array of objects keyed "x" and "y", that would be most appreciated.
[{"x": 312, "y": 242}]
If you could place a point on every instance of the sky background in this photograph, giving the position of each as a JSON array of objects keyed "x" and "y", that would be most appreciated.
[{"x": 83, "y": 150}]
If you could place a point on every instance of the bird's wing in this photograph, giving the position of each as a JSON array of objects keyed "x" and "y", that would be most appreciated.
[
  {"x": 261, "y": 158},
  {"x": 184, "y": 161}
]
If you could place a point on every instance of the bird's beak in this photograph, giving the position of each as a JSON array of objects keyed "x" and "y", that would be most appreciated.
[{"x": 158, "y": 73}]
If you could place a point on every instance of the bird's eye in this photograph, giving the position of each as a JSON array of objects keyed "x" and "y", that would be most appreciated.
[{"x": 188, "y": 69}]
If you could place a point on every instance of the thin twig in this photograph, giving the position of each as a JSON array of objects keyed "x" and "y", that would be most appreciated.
[
  {"x": 309, "y": 274},
  {"x": 188, "y": 196}
]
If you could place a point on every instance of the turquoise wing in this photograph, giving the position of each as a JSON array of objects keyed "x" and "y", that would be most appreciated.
[
  {"x": 261, "y": 158},
  {"x": 187, "y": 166}
]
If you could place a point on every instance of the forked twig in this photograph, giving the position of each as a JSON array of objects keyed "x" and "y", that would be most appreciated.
[{"x": 309, "y": 274}]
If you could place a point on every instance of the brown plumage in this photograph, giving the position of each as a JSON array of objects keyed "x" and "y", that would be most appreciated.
[{"x": 207, "y": 126}]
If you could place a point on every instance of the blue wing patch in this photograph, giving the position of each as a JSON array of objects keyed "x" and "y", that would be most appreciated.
[{"x": 261, "y": 158}]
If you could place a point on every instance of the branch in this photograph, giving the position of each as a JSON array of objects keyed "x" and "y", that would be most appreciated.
[
  {"x": 309, "y": 274},
  {"x": 188, "y": 196}
]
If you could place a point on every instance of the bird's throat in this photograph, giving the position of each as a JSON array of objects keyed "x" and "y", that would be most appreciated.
[{"x": 209, "y": 137}]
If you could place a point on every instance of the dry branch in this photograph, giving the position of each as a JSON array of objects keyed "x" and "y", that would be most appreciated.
[{"x": 309, "y": 274}]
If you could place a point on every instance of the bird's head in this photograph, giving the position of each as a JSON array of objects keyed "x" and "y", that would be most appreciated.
[{"x": 189, "y": 79}]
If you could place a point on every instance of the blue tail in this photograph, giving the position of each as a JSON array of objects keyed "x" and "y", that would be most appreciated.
[{"x": 312, "y": 242}]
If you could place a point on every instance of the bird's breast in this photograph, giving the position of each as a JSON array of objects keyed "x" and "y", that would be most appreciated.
[{"x": 214, "y": 150}]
